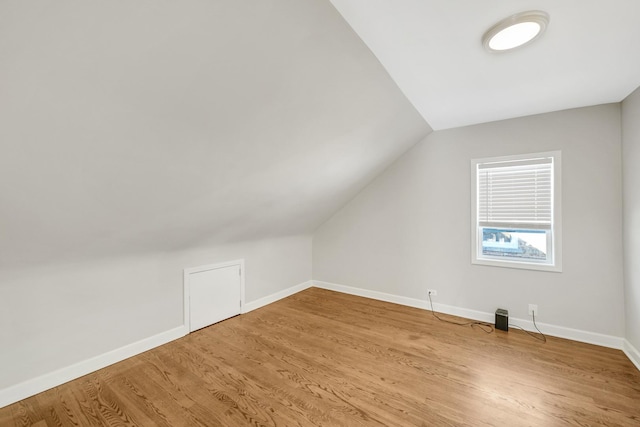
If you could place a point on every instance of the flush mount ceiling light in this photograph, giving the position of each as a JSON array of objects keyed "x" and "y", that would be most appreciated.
[{"x": 515, "y": 31}]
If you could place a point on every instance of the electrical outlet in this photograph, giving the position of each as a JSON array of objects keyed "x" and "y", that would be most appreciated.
[
  {"x": 432, "y": 292},
  {"x": 533, "y": 309}
]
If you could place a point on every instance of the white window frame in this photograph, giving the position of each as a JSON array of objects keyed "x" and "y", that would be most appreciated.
[{"x": 554, "y": 236}]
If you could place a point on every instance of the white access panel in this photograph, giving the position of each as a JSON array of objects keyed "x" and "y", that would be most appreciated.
[{"x": 214, "y": 294}]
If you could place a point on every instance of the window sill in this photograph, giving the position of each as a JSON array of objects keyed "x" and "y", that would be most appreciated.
[{"x": 517, "y": 265}]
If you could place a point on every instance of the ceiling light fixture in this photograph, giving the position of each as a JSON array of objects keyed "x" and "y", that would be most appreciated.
[{"x": 516, "y": 30}]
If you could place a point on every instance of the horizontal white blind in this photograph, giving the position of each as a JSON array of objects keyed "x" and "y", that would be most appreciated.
[{"x": 516, "y": 194}]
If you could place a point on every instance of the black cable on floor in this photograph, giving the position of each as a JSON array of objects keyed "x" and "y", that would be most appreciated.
[
  {"x": 485, "y": 327},
  {"x": 543, "y": 339}
]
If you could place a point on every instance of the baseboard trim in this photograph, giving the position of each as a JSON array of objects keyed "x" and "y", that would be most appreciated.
[
  {"x": 579, "y": 335},
  {"x": 269, "y": 299},
  {"x": 45, "y": 382},
  {"x": 547, "y": 329},
  {"x": 410, "y": 302},
  {"x": 632, "y": 353}
]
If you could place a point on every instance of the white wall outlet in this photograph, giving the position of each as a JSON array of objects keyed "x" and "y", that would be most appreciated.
[
  {"x": 533, "y": 309},
  {"x": 432, "y": 292}
]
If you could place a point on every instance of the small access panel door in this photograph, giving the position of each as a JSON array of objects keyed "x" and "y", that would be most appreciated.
[{"x": 214, "y": 295}]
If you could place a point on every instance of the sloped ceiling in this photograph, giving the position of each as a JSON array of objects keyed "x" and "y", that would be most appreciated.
[
  {"x": 589, "y": 55},
  {"x": 153, "y": 125}
]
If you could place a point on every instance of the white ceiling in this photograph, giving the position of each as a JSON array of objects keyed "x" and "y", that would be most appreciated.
[{"x": 589, "y": 55}]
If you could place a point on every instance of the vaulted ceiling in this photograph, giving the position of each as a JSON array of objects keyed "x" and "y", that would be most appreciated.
[
  {"x": 589, "y": 55},
  {"x": 155, "y": 125}
]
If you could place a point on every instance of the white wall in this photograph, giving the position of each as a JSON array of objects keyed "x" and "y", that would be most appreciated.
[
  {"x": 631, "y": 180},
  {"x": 56, "y": 316},
  {"x": 271, "y": 265},
  {"x": 409, "y": 230},
  {"x": 144, "y": 126}
]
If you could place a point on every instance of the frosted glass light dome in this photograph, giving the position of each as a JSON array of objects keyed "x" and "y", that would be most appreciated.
[{"x": 516, "y": 30}]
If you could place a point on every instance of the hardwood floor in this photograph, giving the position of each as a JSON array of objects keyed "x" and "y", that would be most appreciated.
[{"x": 321, "y": 358}]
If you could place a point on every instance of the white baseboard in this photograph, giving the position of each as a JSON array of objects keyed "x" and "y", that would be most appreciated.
[
  {"x": 39, "y": 384},
  {"x": 45, "y": 382},
  {"x": 632, "y": 353},
  {"x": 253, "y": 305},
  {"x": 410, "y": 302},
  {"x": 587, "y": 337},
  {"x": 547, "y": 329}
]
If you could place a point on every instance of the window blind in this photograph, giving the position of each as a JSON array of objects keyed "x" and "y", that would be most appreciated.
[{"x": 516, "y": 194}]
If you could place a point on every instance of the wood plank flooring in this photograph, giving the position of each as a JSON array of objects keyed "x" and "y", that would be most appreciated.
[{"x": 321, "y": 358}]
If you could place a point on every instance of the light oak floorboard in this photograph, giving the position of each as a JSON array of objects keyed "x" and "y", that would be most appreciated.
[{"x": 321, "y": 358}]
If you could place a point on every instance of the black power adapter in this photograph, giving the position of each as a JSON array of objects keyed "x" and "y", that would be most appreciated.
[{"x": 502, "y": 319}]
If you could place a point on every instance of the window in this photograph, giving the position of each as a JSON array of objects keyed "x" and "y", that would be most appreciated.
[{"x": 516, "y": 211}]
